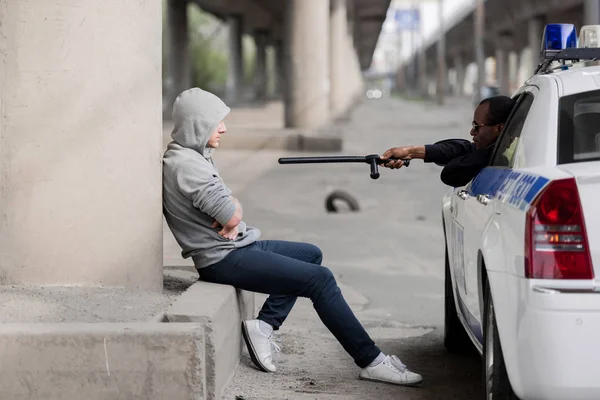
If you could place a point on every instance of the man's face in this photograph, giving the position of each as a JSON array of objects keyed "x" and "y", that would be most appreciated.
[
  {"x": 483, "y": 133},
  {"x": 215, "y": 138}
]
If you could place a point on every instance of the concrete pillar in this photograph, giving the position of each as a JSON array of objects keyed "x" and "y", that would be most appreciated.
[
  {"x": 235, "y": 77},
  {"x": 423, "y": 75},
  {"x": 261, "y": 38},
  {"x": 279, "y": 69},
  {"x": 535, "y": 32},
  {"x": 355, "y": 85},
  {"x": 516, "y": 74},
  {"x": 459, "y": 66},
  {"x": 502, "y": 71},
  {"x": 81, "y": 143},
  {"x": 339, "y": 72},
  {"x": 179, "y": 62},
  {"x": 307, "y": 33},
  {"x": 591, "y": 12},
  {"x": 442, "y": 71},
  {"x": 479, "y": 47}
]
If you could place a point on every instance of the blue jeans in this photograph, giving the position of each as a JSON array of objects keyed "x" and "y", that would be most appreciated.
[{"x": 286, "y": 270}]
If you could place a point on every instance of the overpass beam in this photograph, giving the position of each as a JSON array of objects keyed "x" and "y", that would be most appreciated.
[
  {"x": 307, "y": 63},
  {"x": 261, "y": 37},
  {"x": 235, "y": 74}
]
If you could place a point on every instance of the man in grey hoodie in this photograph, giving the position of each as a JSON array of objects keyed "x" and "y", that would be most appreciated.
[{"x": 207, "y": 223}]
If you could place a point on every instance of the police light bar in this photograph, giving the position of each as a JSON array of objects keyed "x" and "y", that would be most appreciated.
[
  {"x": 558, "y": 37},
  {"x": 589, "y": 36}
]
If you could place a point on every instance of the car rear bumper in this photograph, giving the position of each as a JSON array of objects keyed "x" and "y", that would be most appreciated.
[{"x": 552, "y": 344}]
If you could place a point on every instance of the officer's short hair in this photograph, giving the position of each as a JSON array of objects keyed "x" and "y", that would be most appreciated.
[{"x": 499, "y": 108}]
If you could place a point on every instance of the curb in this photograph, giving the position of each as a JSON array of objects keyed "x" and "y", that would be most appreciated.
[{"x": 220, "y": 310}]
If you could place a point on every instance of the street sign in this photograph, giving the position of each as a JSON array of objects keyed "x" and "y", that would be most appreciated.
[{"x": 407, "y": 19}]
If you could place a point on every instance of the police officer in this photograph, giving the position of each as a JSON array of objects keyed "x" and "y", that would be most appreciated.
[{"x": 462, "y": 160}]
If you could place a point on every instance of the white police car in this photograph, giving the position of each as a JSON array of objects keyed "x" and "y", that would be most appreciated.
[{"x": 523, "y": 240}]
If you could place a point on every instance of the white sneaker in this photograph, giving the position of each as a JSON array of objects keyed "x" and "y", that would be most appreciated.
[
  {"x": 391, "y": 370},
  {"x": 260, "y": 345}
]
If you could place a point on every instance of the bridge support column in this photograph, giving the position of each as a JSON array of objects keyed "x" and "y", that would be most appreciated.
[
  {"x": 504, "y": 44},
  {"x": 502, "y": 71},
  {"x": 355, "y": 85},
  {"x": 591, "y": 12},
  {"x": 535, "y": 31},
  {"x": 307, "y": 23},
  {"x": 179, "y": 66},
  {"x": 279, "y": 69},
  {"x": 442, "y": 71},
  {"x": 81, "y": 143},
  {"x": 339, "y": 71},
  {"x": 235, "y": 77},
  {"x": 460, "y": 74},
  {"x": 423, "y": 74},
  {"x": 479, "y": 33},
  {"x": 261, "y": 38}
]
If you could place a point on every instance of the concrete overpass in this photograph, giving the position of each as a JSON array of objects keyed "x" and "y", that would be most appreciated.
[
  {"x": 510, "y": 29},
  {"x": 321, "y": 47}
]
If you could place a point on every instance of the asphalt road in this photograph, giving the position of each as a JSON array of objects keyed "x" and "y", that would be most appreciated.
[{"x": 387, "y": 257}]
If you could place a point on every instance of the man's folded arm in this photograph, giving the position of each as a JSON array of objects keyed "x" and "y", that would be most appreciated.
[{"x": 208, "y": 194}]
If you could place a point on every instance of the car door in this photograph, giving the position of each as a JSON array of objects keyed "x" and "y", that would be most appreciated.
[{"x": 476, "y": 205}]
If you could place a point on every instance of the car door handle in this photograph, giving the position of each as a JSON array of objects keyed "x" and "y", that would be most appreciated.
[
  {"x": 483, "y": 199},
  {"x": 463, "y": 194}
]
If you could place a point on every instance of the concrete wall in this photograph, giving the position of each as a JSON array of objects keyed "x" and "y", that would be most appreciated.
[{"x": 80, "y": 143}]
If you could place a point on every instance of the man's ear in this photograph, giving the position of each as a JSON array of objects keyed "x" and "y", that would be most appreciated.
[{"x": 499, "y": 128}]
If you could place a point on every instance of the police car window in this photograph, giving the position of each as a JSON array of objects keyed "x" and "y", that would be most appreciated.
[
  {"x": 509, "y": 139},
  {"x": 579, "y": 128}
]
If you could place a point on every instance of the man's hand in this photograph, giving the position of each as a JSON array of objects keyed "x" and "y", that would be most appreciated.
[
  {"x": 396, "y": 152},
  {"x": 402, "y": 153},
  {"x": 227, "y": 233}
]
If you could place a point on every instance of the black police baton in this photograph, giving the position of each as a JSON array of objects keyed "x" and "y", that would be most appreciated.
[{"x": 372, "y": 159}]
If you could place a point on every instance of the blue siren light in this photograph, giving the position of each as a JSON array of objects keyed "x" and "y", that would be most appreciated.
[{"x": 558, "y": 37}]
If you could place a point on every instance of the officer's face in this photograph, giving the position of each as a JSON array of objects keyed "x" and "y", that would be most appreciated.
[{"x": 483, "y": 133}]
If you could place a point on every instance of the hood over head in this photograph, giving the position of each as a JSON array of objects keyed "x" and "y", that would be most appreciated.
[{"x": 196, "y": 114}]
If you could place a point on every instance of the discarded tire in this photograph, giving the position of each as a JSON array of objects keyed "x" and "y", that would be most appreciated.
[{"x": 343, "y": 196}]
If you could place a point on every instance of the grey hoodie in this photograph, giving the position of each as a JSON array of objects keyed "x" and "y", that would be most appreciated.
[{"x": 194, "y": 195}]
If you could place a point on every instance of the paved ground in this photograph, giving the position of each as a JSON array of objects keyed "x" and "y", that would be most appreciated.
[{"x": 388, "y": 258}]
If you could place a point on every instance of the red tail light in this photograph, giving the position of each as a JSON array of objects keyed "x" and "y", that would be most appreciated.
[{"x": 556, "y": 245}]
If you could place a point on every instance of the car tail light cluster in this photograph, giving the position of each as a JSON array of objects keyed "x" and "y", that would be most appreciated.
[{"x": 556, "y": 244}]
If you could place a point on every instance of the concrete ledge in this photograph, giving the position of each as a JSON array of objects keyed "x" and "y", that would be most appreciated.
[
  {"x": 220, "y": 309},
  {"x": 102, "y": 361}
]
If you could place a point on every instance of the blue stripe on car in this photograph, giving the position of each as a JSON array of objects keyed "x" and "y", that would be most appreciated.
[{"x": 515, "y": 188}]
